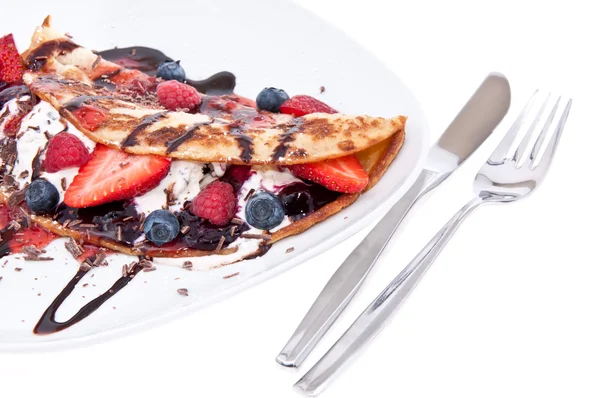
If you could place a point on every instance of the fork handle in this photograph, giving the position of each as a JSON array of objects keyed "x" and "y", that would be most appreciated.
[{"x": 381, "y": 310}]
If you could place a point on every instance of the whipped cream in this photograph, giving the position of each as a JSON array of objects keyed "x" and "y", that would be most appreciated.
[
  {"x": 42, "y": 122},
  {"x": 270, "y": 179},
  {"x": 245, "y": 247},
  {"x": 185, "y": 177}
]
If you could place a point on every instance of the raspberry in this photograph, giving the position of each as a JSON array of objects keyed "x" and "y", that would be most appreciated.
[
  {"x": 64, "y": 151},
  {"x": 174, "y": 95},
  {"x": 216, "y": 203}
]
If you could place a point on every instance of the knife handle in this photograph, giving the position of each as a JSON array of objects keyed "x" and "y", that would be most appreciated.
[
  {"x": 349, "y": 277},
  {"x": 380, "y": 311}
]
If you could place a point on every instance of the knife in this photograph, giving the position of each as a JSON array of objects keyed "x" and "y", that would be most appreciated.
[{"x": 469, "y": 129}]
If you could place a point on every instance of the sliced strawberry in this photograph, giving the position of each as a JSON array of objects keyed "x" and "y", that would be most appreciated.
[
  {"x": 32, "y": 236},
  {"x": 344, "y": 174},
  {"x": 300, "y": 105},
  {"x": 11, "y": 66},
  {"x": 111, "y": 175},
  {"x": 90, "y": 117}
]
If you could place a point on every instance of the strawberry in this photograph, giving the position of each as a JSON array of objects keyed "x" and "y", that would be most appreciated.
[
  {"x": 89, "y": 117},
  {"x": 344, "y": 174},
  {"x": 11, "y": 66},
  {"x": 111, "y": 175},
  {"x": 32, "y": 236},
  {"x": 300, "y": 105}
]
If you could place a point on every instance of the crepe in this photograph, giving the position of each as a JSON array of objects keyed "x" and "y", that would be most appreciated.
[
  {"x": 64, "y": 77},
  {"x": 63, "y": 74}
]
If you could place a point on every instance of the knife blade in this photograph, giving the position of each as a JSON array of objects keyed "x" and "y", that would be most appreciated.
[{"x": 470, "y": 128}]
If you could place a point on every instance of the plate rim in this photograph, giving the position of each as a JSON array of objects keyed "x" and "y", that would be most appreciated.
[{"x": 367, "y": 220}]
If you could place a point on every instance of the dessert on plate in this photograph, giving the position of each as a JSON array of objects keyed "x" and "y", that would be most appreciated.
[{"x": 120, "y": 152}]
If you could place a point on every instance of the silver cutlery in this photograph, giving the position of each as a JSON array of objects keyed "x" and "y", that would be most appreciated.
[
  {"x": 469, "y": 129},
  {"x": 507, "y": 176}
]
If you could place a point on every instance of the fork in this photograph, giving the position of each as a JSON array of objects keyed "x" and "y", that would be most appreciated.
[{"x": 507, "y": 176}]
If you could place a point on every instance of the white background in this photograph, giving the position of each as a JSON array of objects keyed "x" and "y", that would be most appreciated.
[{"x": 509, "y": 309}]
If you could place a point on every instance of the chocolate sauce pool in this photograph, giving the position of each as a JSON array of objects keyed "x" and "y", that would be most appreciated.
[{"x": 148, "y": 59}]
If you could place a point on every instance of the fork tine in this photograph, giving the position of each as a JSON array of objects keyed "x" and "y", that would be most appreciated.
[
  {"x": 540, "y": 140},
  {"x": 501, "y": 151},
  {"x": 519, "y": 153},
  {"x": 553, "y": 144}
]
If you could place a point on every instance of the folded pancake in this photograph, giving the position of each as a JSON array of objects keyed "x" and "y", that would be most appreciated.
[{"x": 66, "y": 75}]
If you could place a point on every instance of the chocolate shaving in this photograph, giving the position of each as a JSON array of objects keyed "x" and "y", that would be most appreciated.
[
  {"x": 17, "y": 197},
  {"x": 250, "y": 193},
  {"x": 232, "y": 230},
  {"x": 322, "y": 89},
  {"x": 18, "y": 269},
  {"x": 231, "y": 276},
  {"x": 131, "y": 267},
  {"x": 83, "y": 225},
  {"x": 220, "y": 245},
  {"x": 100, "y": 260},
  {"x": 128, "y": 218},
  {"x": 124, "y": 270},
  {"x": 119, "y": 233},
  {"x": 8, "y": 153},
  {"x": 123, "y": 164},
  {"x": 38, "y": 258},
  {"x": 150, "y": 269},
  {"x": 170, "y": 195},
  {"x": 96, "y": 62},
  {"x": 142, "y": 218},
  {"x": 63, "y": 183},
  {"x": 188, "y": 265},
  {"x": 183, "y": 292},
  {"x": 85, "y": 266},
  {"x": 74, "y": 223},
  {"x": 32, "y": 251},
  {"x": 185, "y": 229},
  {"x": 257, "y": 236},
  {"x": 9, "y": 181},
  {"x": 289, "y": 249},
  {"x": 139, "y": 244},
  {"x": 66, "y": 223},
  {"x": 14, "y": 224},
  {"x": 238, "y": 221},
  {"x": 24, "y": 174},
  {"x": 133, "y": 51}
]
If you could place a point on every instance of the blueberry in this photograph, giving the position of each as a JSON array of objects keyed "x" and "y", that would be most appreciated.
[
  {"x": 41, "y": 196},
  {"x": 270, "y": 99},
  {"x": 161, "y": 226},
  {"x": 171, "y": 70},
  {"x": 264, "y": 211}
]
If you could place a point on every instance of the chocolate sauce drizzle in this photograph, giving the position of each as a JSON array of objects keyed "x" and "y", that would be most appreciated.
[
  {"x": 284, "y": 142},
  {"x": 148, "y": 60},
  {"x": 146, "y": 122},
  {"x": 37, "y": 58},
  {"x": 48, "y": 323},
  {"x": 244, "y": 142},
  {"x": 189, "y": 133}
]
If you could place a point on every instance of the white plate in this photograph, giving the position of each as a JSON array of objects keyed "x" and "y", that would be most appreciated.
[{"x": 266, "y": 43}]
